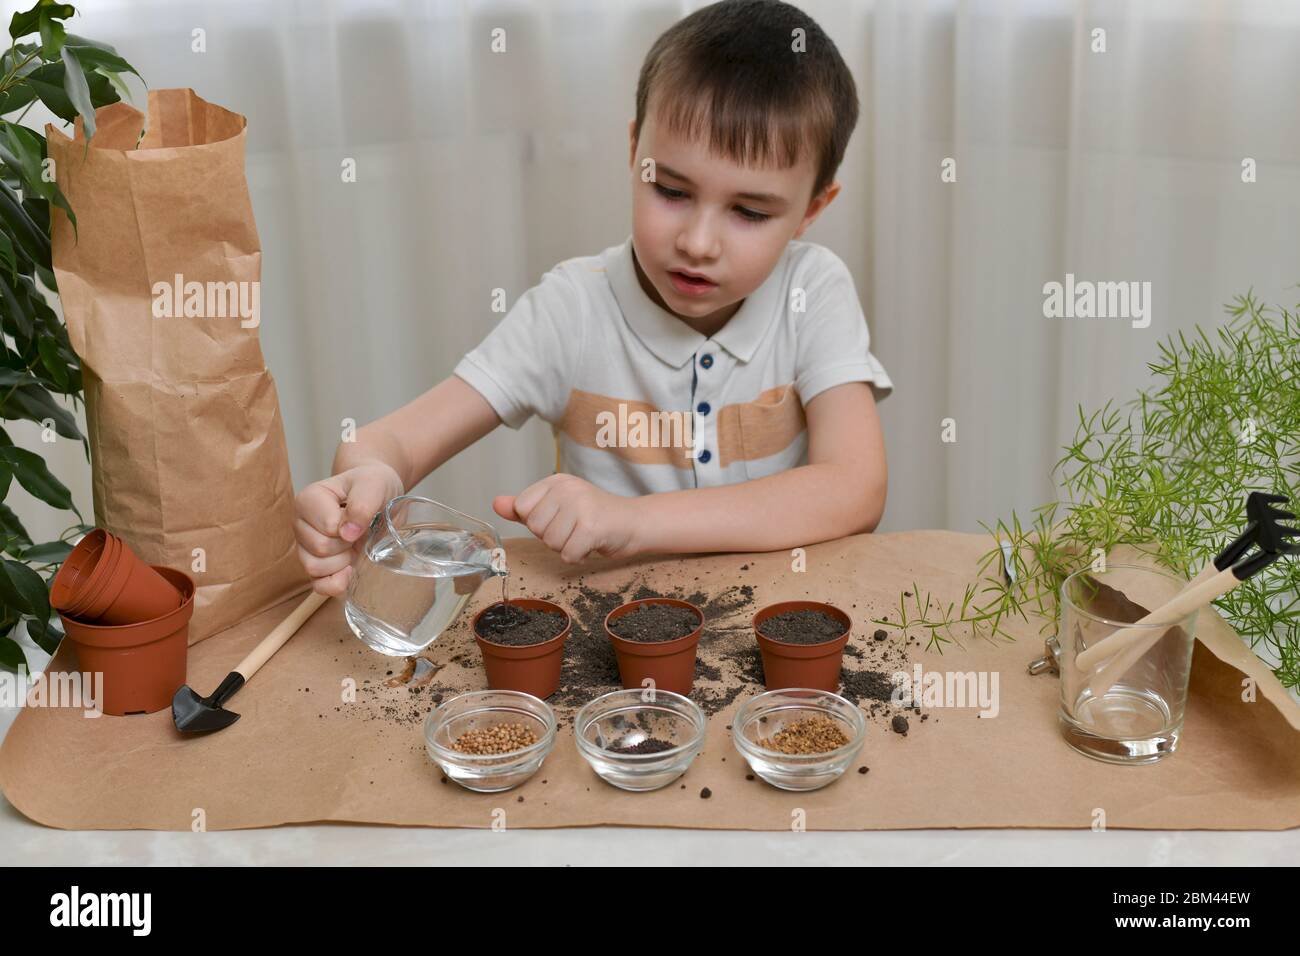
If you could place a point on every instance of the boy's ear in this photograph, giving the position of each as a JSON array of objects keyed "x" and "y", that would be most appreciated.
[
  {"x": 816, "y": 205},
  {"x": 631, "y": 135}
]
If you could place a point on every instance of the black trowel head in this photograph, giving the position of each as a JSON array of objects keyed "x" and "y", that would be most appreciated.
[{"x": 195, "y": 715}]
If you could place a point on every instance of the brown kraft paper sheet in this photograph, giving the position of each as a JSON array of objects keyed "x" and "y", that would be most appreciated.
[{"x": 299, "y": 754}]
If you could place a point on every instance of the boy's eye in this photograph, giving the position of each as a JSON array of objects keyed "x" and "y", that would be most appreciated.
[{"x": 749, "y": 215}]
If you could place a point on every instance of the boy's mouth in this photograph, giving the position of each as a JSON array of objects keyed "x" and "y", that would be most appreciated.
[{"x": 688, "y": 284}]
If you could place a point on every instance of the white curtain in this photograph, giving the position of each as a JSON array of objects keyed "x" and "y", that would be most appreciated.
[{"x": 478, "y": 170}]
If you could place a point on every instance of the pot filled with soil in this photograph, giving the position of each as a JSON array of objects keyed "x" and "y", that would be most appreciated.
[
  {"x": 104, "y": 582},
  {"x": 655, "y": 639},
  {"x": 522, "y": 641},
  {"x": 143, "y": 664},
  {"x": 802, "y": 643}
]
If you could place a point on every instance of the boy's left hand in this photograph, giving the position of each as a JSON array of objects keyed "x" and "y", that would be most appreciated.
[{"x": 573, "y": 517}]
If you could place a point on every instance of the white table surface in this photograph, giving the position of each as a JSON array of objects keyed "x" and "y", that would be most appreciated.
[{"x": 26, "y": 843}]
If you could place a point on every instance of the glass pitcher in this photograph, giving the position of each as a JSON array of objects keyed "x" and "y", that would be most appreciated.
[{"x": 420, "y": 563}]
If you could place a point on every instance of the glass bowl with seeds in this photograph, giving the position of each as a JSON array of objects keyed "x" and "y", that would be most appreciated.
[
  {"x": 640, "y": 739},
  {"x": 798, "y": 738},
  {"x": 490, "y": 740}
]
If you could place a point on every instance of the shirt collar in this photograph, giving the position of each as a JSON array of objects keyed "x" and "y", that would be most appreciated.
[{"x": 671, "y": 339}]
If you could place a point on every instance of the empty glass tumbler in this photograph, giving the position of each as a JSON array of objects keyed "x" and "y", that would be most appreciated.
[{"x": 1127, "y": 707}]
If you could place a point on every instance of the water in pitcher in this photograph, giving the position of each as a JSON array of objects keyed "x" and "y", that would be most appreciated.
[{"x": 405, "y": 592}]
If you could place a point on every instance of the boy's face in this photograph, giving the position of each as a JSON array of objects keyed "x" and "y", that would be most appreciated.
[{"x": 712, "y": 217}]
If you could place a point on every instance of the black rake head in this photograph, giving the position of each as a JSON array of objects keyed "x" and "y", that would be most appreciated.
[
  {"x": 1263, "y": 527},
  {"x": 1270, "y": 533}
]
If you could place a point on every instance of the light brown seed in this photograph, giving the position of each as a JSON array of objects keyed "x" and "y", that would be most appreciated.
[
  {"x": 812, "y": 735},
  {"x": 497, "y": 739}
]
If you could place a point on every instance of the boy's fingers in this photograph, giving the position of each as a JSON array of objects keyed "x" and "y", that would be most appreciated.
[
  {"x": 504, "y": 505},
  {"x": 314, "y": 542},
  {"x": 335, "y": 584},
  {"x": 577, "y": 547},
  {"x": 365, "y": 498},
  {"x": 527, "y": 499},
  {"x": 324, "y": 567},
  {"x": 559, "y": 530},
  {"x": 542, "y": 515},
  {"x": 318, "y": 505}
]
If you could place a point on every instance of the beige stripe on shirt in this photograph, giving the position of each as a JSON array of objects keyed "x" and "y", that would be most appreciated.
[{"x": 746, "y": 431}]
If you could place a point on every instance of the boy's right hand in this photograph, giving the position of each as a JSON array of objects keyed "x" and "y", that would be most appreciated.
[{"x": 332, "y": 518}]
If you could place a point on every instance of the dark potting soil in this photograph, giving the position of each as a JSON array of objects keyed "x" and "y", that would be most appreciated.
[
  {"x": 748, "y": 661},
  {"x": 655, "y": 623},
  {"x": 871, "y": 685},
  {"x": 651, "y": 745},
  {"x": 802, "y": 627},
  {"x": 514, "y": 626}
]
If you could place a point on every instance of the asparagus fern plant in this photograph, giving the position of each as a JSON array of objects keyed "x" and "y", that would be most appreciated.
[
  {"x": 1168, "y": 474},
  {"x": 71, "y": 76}
]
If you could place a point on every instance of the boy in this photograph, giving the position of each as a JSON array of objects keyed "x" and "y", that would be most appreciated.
[{"x": 711, "y": 311}]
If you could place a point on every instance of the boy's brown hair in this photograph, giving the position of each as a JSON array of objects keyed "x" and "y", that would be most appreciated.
[{"x": 736, "y": 66}]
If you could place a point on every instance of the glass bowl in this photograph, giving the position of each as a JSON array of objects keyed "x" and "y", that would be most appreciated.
[
  {"x": 768, "y": 713},
  {"x": 489, "y": 773},
  {"x": 626, "y": 718}
]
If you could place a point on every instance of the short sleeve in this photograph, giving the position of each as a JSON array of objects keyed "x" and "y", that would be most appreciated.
[
  {"x": 834, "y": 344},
  {"x": 523, "y": 367}
]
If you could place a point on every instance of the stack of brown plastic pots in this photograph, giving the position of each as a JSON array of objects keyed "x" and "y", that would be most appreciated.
[{"x": 128, "y": 620}]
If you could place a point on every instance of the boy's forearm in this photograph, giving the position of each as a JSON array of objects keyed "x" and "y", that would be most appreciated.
[
  {"x": 423, "y": 434},
  {"x": 793, "y": 508}
]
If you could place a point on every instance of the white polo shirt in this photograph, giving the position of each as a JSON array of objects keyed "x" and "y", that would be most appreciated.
[{"x": 640, "y": 402}]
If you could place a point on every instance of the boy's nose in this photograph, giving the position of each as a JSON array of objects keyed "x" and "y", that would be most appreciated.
[{"x": 699, "y": 240}]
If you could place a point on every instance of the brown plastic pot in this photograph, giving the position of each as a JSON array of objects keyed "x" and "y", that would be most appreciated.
[
  {"x": 84, "y": 572},
  {"x": 104, "y": 582},
  {"x": 670, "y": 664},
  {"x": 531, "y": 668},
  {"x": 816, "y": 666},
  {"x": 143, "y": 664}
]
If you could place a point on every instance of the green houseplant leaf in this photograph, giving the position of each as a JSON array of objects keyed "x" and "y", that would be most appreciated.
[
  {"x": 23, "y": 589},
  {"x": 29, "y": 468},
  {"x": 29, "y": 21},
  {"x": 78, "y": 90},
  {"x": 52, "y": 34},
  {"x": 51, "y": 84}
]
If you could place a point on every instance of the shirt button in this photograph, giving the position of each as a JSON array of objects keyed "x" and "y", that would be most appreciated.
[
  {"x": 706, "y": 360},
  {"x": 705, "y": 456},
  {"x": 702, "y": 408}
]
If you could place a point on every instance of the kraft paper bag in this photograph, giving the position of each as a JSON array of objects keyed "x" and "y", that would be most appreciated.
[{"x": 160, "y": 287}]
